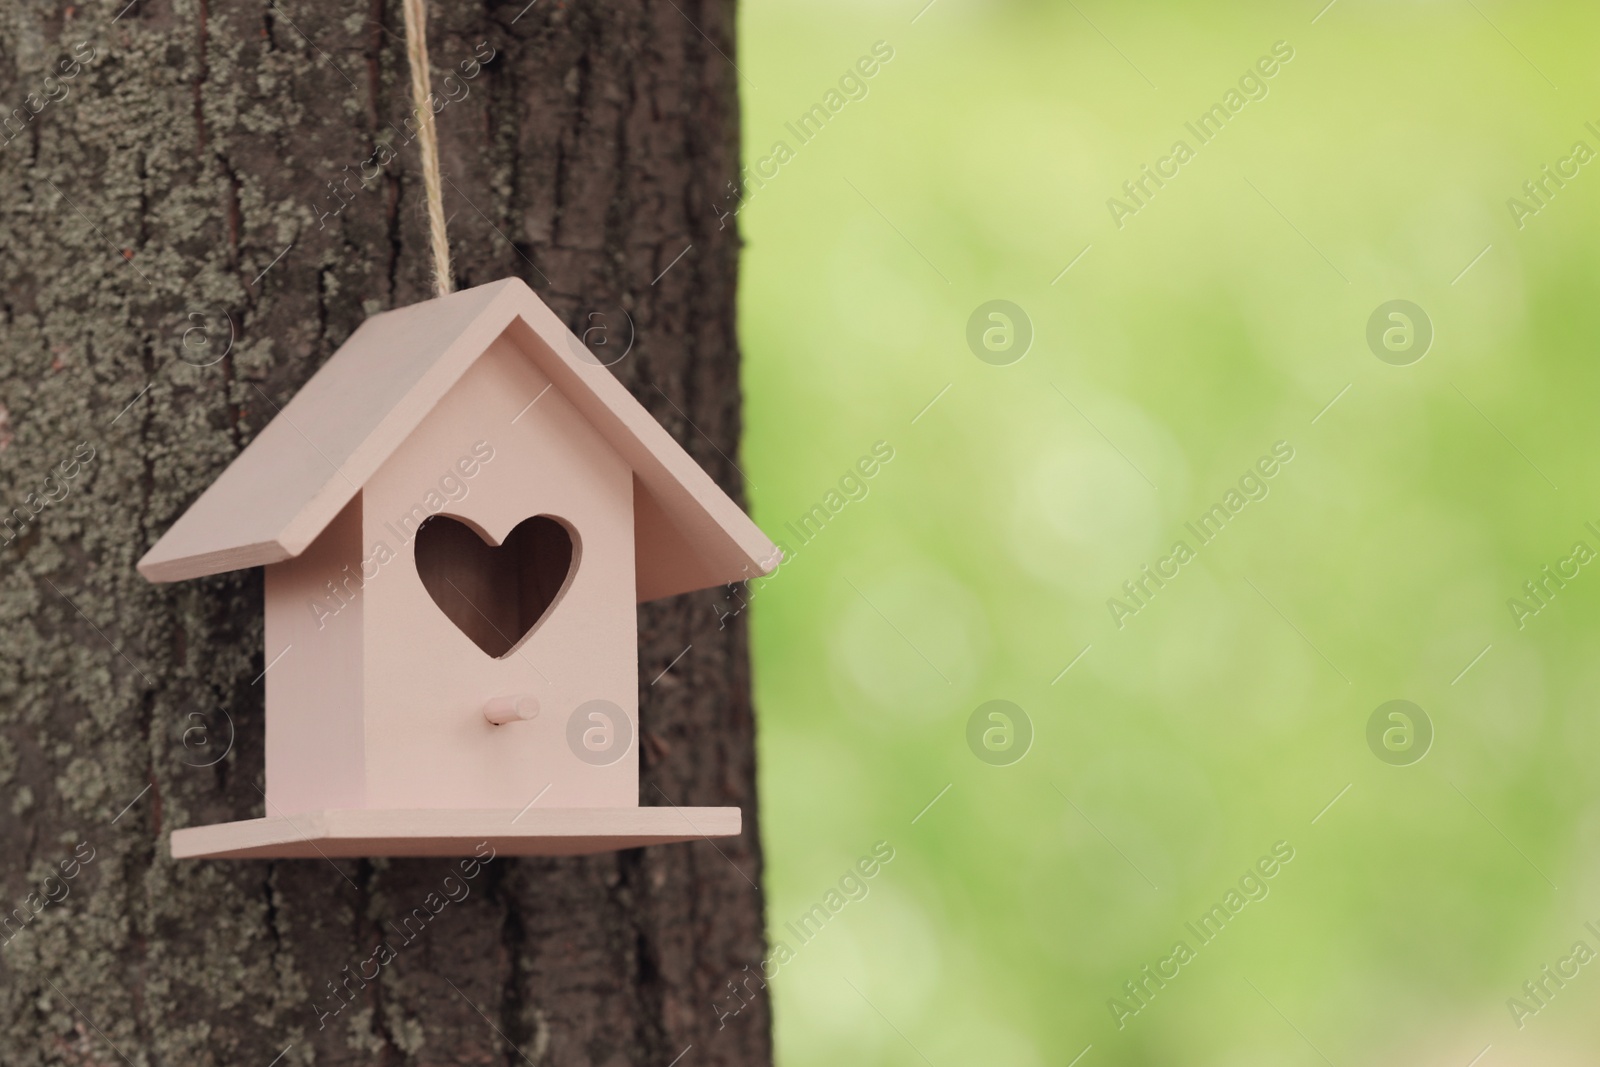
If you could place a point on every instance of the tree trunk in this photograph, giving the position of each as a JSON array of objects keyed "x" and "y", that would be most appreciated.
[{"x": 201, "y": 200}]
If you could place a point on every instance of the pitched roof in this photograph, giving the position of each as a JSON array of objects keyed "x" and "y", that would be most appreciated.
[{"x": 309, "y": 462}]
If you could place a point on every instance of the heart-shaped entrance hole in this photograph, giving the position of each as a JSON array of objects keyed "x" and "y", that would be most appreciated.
[{"x": 495, "y": 594}]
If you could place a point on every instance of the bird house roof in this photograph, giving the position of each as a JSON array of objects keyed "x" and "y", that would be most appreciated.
[{"x": 283, "y": 490}]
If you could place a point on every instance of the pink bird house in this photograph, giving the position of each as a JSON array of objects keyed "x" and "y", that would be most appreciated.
[{"x": 457, "y": 517}]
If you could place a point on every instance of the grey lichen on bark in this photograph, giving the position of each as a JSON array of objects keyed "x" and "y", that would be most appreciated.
[{"x": 199, "y": 201}]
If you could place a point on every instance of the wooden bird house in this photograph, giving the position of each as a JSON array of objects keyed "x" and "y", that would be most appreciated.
[{"x": 457, "y": 516}]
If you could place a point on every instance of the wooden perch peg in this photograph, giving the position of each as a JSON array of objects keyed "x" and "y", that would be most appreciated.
[{"x": 503, "y": 710}]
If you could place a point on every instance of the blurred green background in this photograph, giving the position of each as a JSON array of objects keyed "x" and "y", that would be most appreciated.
[{"x": 1225, "y": 716}]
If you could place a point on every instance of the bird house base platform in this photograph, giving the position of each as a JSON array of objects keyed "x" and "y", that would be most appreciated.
[{"x": 532, "y": 832}]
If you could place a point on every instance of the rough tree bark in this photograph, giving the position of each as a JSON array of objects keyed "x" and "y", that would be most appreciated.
[{"x": 181, "y": 177}]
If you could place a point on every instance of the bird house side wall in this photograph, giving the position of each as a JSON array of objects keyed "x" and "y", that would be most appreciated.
[{"x": 315, "y": 741}]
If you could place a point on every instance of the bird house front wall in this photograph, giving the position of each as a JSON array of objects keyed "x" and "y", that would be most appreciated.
[{"x": 504, "y": 472}]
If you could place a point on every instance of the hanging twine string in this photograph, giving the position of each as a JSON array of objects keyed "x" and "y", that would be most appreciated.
[{"x": 417, "y": 53}]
